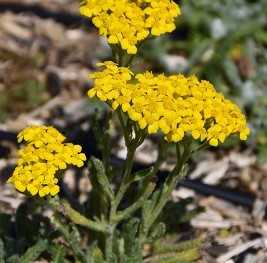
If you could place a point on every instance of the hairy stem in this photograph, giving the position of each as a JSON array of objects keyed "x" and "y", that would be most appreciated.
[
  {"x": 171, "y": 181},
  {"x": 106, "y": 145},
  {"x": 78, "y": 253},
  {"x": 65, "y": 209}
]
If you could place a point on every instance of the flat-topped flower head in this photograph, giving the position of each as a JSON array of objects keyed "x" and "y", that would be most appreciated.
[
  {"x": 127, "y": 22},
  {"x": 44, "y": 154},
  {"x": 176, "y": 105}
]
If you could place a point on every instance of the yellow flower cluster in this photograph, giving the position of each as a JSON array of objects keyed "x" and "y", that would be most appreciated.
[
  {"x": 176, "y": 105},
  {"x": 129, "y": 21},
  {"x": 44, "y": 155}
]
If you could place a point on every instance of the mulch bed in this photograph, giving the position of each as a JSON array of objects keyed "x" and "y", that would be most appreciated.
[{"x": 57, "y": 57}]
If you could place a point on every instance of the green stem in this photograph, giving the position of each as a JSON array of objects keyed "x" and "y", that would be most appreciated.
[
  {"x": 131, "y": 146},
  {"x": 130, "y": 61},
  {"x": 64, "y": 208},
  {"x": 162, "y": 155},
  {"x": 131, "y": 209},
  {"x": 106, "y": 145},
  {"x": 173, "y": 178},
  {"x": 138, "y": 47},
  {"x": 120, "y": 59},
  {"x": 113, "y": 220},
  {"x": 201, "y": 147},
  {"x": 123, "y": 126},
  {"x": 114, "y": 53},
  {"x": 124, "y": 184},
  {"x": 78, "y": 253}
]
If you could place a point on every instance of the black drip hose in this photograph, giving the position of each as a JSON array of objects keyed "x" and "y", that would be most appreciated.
[
  {"x": 8, "y": 136},
  {"x": 226, "y": 194},
  {"x": 222, "y": 193}
]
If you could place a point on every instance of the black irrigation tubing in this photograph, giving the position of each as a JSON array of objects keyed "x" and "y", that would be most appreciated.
[
  {"x": 229, "y": 195},
  {"x": 65, "y": 18},
  {"x": 8, "y": 136}
]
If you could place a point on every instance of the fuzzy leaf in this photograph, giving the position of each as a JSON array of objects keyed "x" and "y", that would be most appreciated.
[
  {"x": 13, "y": 259},
  {"x": 180, "y": 247},
  {"x": 188, "y": 256},
  {"x": 132, "y": 246},
  {"x": 111, "y": 258},
  {"x": 130, "y": 231},
  {"x": 141, "y": 175},
  {"x": 98, "y": 255},
  {"x": 98, "y": 178},
  {"x": 157, "y": 233},
  {"x": 34, "y": 252},
  {"x": 143, "y": 195},
  {"x": 190, "y": 214},
  {"x": 147, "y": 209},
  {"x": 57, "y": 253}
]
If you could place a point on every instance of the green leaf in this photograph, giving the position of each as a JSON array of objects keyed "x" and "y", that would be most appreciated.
[
  {"x": 147, "y": 209},
  {"x": 190, "y": 214},
  {"x": 187, "y": 256},
  {"x": 142, "y": 197},
  {"x": 157, "y": 233},
  {"x": 98, "y": 255},
  {"x": 180, "y": 247},
  {"x": 130, "y": 230},
  {"x": 111, "y": 258},
  {"x": 57, "y": 253},
  {"x": 34, "y": 252},
  {"x": 89, "y": 251},
  {"x": 98, "y": 178},
  {"x": 13, "y": 259},
  {"x": 132, "y": 245},
  {"x": 141, "y": 175}
]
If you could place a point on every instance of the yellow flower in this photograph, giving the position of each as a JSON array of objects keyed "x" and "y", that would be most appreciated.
[
  {"x": 128, "y": 22},
  {"x": 177, "y": 105},
  {"x": 244, "y": 133},
  {"x": 45, "y": 153}
]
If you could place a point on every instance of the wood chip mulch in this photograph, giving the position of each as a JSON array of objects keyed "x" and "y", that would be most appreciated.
[{"x": 61, "y": 57}]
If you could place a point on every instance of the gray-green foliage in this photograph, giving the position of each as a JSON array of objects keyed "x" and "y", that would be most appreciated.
[
  {"x": 132, "y": 245},
  {"x": 34, "y": 252},
  {"x": 99, "y": 179},
  {"x": 157, "y": 233},
  {"x": 28, "y": 239},
  {"x": 31, "y": 254},
  {"x": 57, "y": 253},
  {"x": 186, "y": 251}
]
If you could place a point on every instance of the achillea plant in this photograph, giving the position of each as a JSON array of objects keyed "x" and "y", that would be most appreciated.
[{"x": 178, "y": 109}]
